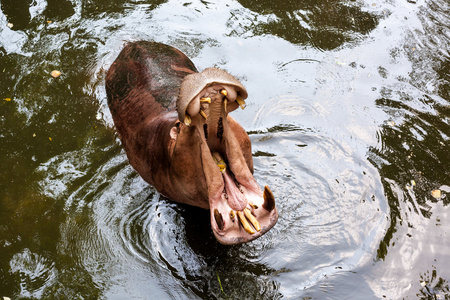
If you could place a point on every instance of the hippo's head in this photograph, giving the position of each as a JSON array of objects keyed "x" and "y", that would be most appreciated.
[{"x": 240, "y": 210}]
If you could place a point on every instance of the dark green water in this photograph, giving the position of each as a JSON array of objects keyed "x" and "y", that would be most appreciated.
[{"x": 348, "y": 113}]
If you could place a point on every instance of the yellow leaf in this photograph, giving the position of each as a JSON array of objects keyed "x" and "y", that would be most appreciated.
[
  {"x": 55, "y": 73},
  {"x": 436, "y": 194},
  {"x": 50, "y": 139},
  {"x": 7, "y": 99}
]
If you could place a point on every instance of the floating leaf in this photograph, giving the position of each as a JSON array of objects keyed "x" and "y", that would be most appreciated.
[
  {"x": 50, "y": 139},
  {"x": 436, "y": 194},
  {"x": 34, "y": 134},
  {"x": 8, "y": 99},
  {"x": 220, "y": 283},
  {"x": 55, "y": 73}
]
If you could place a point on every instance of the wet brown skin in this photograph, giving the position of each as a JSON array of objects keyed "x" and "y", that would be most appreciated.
[{"x": 143, "y": 85}]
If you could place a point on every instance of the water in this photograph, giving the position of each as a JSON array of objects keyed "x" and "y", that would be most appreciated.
[{"x": 348, "y": 113}]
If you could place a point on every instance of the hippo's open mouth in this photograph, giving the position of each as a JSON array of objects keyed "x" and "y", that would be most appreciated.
[{"x": 240, "y": 210}]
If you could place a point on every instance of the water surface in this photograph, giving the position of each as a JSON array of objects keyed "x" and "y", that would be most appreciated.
[{"x": 348, "y": 113}]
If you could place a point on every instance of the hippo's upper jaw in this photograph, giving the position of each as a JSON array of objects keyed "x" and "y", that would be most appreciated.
[{"x": 240, "y": 210}]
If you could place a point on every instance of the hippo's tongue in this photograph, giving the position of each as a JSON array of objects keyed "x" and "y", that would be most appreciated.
[{"x": 235, "y": 193}]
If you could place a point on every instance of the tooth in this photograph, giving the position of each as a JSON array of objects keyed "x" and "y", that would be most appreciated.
[
  {"x": 205, "y": 100},
  {"x": 244, "y": 223},
  {"x": 203, "y": 114},
  {"x": 224, "y": 92},
  {"x": 225, "y": 102},
  {"x": 219, "y": 219},
  {"x": 253, "y": 205},
  {"x": 187, "y": 120},
  {"x": 269, "y": 200},
  {"x": 220, "y": 163},
  {"x": 252, "y": 219},
  {"x": 241, "y": 102},
  {"x": 232, "y": 214}
]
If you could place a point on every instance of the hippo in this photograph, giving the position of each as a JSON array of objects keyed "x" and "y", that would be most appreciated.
[{"x": 174, "y": 124}]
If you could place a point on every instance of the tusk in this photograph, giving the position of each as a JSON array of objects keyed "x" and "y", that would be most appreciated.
[
  {"x": 205, "y": 100},
  {"x": 252, "y": 219},
  {"x": 269, "y": 200},
  {"x": 244, "y": 223},
  {"x": 219, "y": 219},
  {"x": 225, "y": 103},
  {"x": 241, "y": 102},
  {"x": 203, "y": 114},
  {"x": 187, "y": 120},
  {"x": 224, "y": 92}
]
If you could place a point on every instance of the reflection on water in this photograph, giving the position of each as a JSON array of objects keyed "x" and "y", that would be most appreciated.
[
  {"x": 349, "y": 120},
  {"x": 325, "y": 25}
]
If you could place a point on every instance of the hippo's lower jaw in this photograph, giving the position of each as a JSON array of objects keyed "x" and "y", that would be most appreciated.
[
  {"x": 240, "y": 210},
  {"x": 243, "y": 226}
]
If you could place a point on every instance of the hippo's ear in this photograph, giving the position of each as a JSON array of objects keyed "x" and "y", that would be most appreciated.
[{"x": 195, "y": 86}]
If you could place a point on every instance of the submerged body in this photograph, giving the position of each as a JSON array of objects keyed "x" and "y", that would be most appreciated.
[{"x": 175, "y": 128}]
